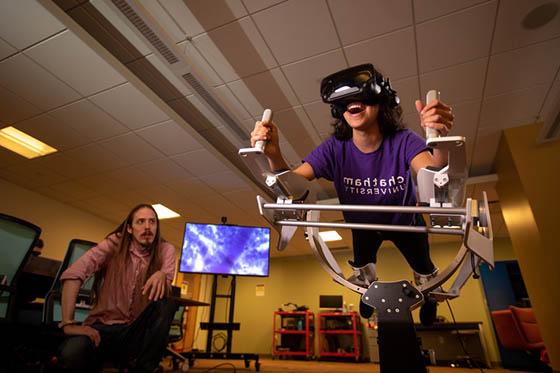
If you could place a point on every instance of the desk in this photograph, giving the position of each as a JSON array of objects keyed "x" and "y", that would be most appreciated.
[{"x": 443, "y": 339}]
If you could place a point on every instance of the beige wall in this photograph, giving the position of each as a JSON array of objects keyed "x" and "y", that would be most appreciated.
[
  {"x": 59, "y": 222},
  {"x": 528, "y": 189},
  {"x": 301, "y": 280}
]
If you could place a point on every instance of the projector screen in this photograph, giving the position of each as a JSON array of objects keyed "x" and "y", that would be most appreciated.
[{"x": 225, "y": 250}]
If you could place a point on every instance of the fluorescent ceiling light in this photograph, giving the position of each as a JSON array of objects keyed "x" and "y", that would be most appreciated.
[
  {"x": 164, "y": 212},
  {"x": 21, "y": 143},
  {"x": 330, "y": 236}
]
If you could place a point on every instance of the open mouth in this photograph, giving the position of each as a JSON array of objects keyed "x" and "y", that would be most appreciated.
[{"x": 355, "y": 107}]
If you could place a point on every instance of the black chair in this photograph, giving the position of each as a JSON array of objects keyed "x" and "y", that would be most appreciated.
[
  {"x": 17, "y": 239},
  {"x": 52, "y": 313}
]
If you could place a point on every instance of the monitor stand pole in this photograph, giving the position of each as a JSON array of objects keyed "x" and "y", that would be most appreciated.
[{"x": 229, "y": 326}]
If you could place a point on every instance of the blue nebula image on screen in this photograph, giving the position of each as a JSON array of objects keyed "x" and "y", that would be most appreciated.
[{"x": 225, "y": 249}]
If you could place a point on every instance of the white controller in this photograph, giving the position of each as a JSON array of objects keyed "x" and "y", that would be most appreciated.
[
  {"x": 266, "y": 118},
  {"x": 430, "y": 96}
]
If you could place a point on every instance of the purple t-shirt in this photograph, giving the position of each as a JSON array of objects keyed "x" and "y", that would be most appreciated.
[{"x": 381, "y": 177}]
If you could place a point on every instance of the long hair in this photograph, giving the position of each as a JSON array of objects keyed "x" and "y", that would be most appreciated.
[
  {"x": 389, "y": 119},
  {"x": 122, "y": 253}
]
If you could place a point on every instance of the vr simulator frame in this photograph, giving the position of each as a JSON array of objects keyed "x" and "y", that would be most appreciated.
[{"x": 441, "y": 195}]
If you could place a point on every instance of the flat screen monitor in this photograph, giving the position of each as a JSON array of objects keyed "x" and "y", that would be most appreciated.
[{"x": 222, "y": 249}]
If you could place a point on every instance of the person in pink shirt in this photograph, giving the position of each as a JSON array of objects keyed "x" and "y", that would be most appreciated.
[{"x": 132, "y": 313}]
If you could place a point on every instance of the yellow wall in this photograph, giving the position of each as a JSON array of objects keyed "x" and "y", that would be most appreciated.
[
  {"x": 59, "y": 222},
  {"x": 301, "y": 280},
  {"x": 528, "y": 189}
]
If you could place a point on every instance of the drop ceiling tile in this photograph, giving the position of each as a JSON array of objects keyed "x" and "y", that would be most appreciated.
[
  {"x": 305, "y": 76},
  {"x": 89, "y": 120},
  {"x": 6, "y": 49},
  {"x": 232, "y": 103},
  {"x": 9, "y": 158},
  {"x": 453, "y": 39},
  {"x": 235, "y": 50},
  {"x": 269, "y": 89},
  {"x": 52, "y": 132},
  {"x": 163, "y": 170},
  {"x": 200, "y": 163},
  {"x": 217, "y": 14},
  {"x": 14, "y": 109},
  {"x": 295, "y": 132},
  {"x": 131, "y": 149},
  {"x": 75, "y": 63},
  {"x": 182, "y": 16},
  {"x": 224, "y": 182},
  {"x": 72, "y": 191},
  {"x": 512, "y": 109},
  {"x": 510, "y": 32},
  {"x": 163, "y": 18},
  {"x": 428, "y": 9},
  {"x": 525, "y": 67},
  {"x": 297, "y": 29},
  {"x": 399, "y": 43},
  {"x": 199, "y": 65},
  {"x": 320, "y": 115},
  {"x": 245, "y": 199},
  {"x": 363, "y": 19},
  {"x": 407, "y": 90},
  {"x": 551, "y": 108},
  {"x": 486, "y": 148},
  {"x": 28, "y": 80},
  {"x": 129, "y": 106},
  {"x": 468, "y": 77},
  {"x": 256, "y": 5},
  {"x": 96, "y": 159},
  {"x": 31, "y": 175},
  {"x": 26, "y": 23},
  {"x": 64, "y": 164},
  {"x": 190, "y": 188},
  {"x": 169, "y": 137}
]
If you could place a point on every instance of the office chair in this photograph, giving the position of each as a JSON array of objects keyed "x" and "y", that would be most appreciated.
[
  {"x": 517, "y": 329},
  {"x": 17, "y": 238}
]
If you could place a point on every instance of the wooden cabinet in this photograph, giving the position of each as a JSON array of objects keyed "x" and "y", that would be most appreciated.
[
  {"x": 340, "y": 335},
  {"x": 293, "y": 334}
]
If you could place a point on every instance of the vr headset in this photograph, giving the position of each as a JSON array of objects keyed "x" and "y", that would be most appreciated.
[{"x": 359, "y": 83}]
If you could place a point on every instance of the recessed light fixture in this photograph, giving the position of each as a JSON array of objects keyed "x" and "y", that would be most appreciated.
[
  {"x": 164, "y": 212},
  {"x": 540, "y": 16},
  {"x": 330, "y": 236},
  {"x": 21, "y": 143}
]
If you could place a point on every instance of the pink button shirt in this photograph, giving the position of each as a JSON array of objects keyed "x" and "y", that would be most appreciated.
[{"x": 120, "y": 300}]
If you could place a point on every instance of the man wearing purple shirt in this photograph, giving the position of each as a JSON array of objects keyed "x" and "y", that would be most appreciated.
[
  {"x": 369, "y": 158},
  {"x": 132, "y": 313}
]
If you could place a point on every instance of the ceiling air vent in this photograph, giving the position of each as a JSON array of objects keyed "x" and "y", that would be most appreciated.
[{"x": 152, "y": 38}]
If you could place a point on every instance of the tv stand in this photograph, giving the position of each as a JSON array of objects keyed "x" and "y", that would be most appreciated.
[{"x": 229, "y": 326}]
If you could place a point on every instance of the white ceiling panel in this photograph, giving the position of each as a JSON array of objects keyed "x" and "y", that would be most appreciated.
[
  {"x": 200, "y": 163},
  {"x": 232, "y": 103},
  {"x": 510, "y": 32},
  {"x": 224, "y": 182},
  {"x": 469, "y": 76},
  {"x": 381, "y": 51},
  {"x": 194, "y": 58},
  {"x": 27, "y": 79},
  {"x": 512, "y": 109},
  {"x": 307, "y": 29},
  {"x": 169, "y": 137},
  {"x": 96, "y": 159},
  {"x": 551, "y": 107},
  {"x": 363, "y": 19},
  {"x": 486, "y": 147},
  {"x": 31, "y": 176},
  {"x": 407, "y": 90},
  {"x": 131, "y": 149},
  {"x": 129, "y": 106},
  {"x": 72, "y": 191},
  {"x": 161, "y": 16},
  {"x": 73, "y": 62},
  {"x": 223, "y": 12},
  {"x": 14, "y": 108},
  {"x": 6, "y": 49},
  {"x": 320, "y": 115},
  {"x": 89, "y": 120},
  {"x": 16, "y": 18},
  {"x": 163, "y": 170},
  {"x": 163, "y": 68},
  {"x": 454, "y": 39},
  {"x": 256, "y": 5},
  {"x": 52, "y": 131},
  {"x": 305, "y": 76},
  {"x": 525, "y": 67},
  {"x": 428, "y": 9}
]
